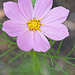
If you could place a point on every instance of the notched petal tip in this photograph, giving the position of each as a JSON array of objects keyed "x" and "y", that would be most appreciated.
[
  {"x": 65, "y": 9},
  {"x": 68, "y": 34},
  {"x": 55, "y": 32},
  {"x": 4, "y": 3},
  {"x": 7, "y": 2},
  {"x": 3, "y": 28},
  {"x": 42, "y": 8}
]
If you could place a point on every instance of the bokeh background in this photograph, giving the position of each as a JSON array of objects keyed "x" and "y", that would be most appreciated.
[{"x": 23, "y": 63}]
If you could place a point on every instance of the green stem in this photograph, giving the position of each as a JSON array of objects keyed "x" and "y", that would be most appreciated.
[
  {"x": 51, "y": 59},
  {"x": 15, "y": 57},
  {"x": 59, "y": 57},
  {"x": 60, "y": 67},
  {"x": 1, "y": 23},
  {"x": 59, "y": 48},
  {"x": 7, "y": 51},
  {"x": 36, "y": 63}
]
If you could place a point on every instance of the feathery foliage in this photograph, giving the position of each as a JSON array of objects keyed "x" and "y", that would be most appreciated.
[{"x": 36, "y": 58}]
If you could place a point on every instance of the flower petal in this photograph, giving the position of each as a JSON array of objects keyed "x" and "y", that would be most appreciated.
[
  {"x": 55, "y": 31},
  {"x": 24, "y": 41},
  {"x": 26, "y": 8},
  {"x": 13, "y": 28},
  {"x": 41, "y": 8},
  {"x": 13, "y": 12},
  {"x": 40, "y": 43},
  {"x": 58, "y": 15}
]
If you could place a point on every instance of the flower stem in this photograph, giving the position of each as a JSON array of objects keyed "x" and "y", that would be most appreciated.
[{"x": 36, "y": 64}]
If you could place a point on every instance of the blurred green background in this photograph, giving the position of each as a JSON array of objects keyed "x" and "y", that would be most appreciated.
[{"x": 23, "y": 65}]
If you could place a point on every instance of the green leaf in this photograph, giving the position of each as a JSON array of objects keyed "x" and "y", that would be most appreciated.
[
  {"x": 51, "y": 67},
  {"x": 2, "y": 37},
  {"x": 1, "y": 24},
  {"x": 69, "y": 62},
  {"x": 58, "y": 48},
  {"x": 44, "y": 58},
  {"x": 60, "y": 67},
  {"x": 71, "y": 58},
  {"x": 58, "y": 57},
  {"x": 52, "y": 42},
  {"x": 70, "y": 51},
  {"x": 48, "y": 65},
  {"x": 6, "y": 36},
  {"x": 12, "y": 43},
  {"x": 16, "y": 57},
  {"x": 7, "y": 51},
  {"x": 14, "y": 38},
  {"x": 0, "y": 27},
  {"x": 2, "y": 42},
  {"x": 51, "y": 59}
]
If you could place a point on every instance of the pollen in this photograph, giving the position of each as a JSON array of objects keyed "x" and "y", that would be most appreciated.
[{"x": 34, "y": 24}]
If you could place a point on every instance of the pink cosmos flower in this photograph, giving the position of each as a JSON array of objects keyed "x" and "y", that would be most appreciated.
[{"x": 31, "y": 25}]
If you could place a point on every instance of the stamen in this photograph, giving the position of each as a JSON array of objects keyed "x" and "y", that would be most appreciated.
[
  {"x": 34, "y": 24},
  {"x": 42, "y": 24},
  {"x": 40, "y": 19}
]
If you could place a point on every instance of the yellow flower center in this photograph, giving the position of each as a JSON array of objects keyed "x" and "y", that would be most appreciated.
[{"x": 34, "y": 24}]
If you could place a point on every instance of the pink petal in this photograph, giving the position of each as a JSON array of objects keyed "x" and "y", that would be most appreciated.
[
  {"x": 41, "y": 8},
  {"x": 24, "y": 41},
  {"x": 12, "y": 11},
  {"x": 13, "y": 28},
  {"x": 58, "y": 15},
  {"x": 40, "y": 43},
  {"x": 55, "y": 31},
  {"x": 26, "y": 8}
]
